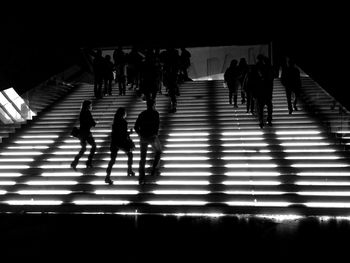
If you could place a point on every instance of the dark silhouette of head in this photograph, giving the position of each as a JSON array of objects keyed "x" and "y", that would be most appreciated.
[
  {"x": 291, "y": 62},
  {"x": 120, "y": 113},
  {"x": 233, "y": 63},
  {"x": 242, "y": 62},
  {"x": 260, "y": 58},
  {"x": 85, "y": 105},
  {"x": 108, "y": 57}
]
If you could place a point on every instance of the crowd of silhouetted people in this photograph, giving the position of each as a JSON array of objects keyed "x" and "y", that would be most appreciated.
[
  {"x": 147, "y": 73},
  {"x": 256, "y": 85}
]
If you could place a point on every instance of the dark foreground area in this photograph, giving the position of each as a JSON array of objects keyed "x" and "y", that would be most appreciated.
[{"x": 156, "y": 238}]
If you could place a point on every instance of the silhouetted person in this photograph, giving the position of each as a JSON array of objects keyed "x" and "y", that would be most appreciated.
[
  {"x": 249, "y": 83},
  {"x": 170, "y": 76},
  {"x": 108, "y": 75},
  {"x": 119, "y": 58},
  {"x": 231, "y": 77},
  {"x": 243, "y": 71},
  {"x": 147, "y": 127},
  {"x": 120, "y": 139},
  {"x": 185, "y": 63},
  {"x": 85, "y": 135},
  {"x": 290, "y": 79},
  {"x": 264, "y": 87},
  {"x": 99, "y": 70},
  {"x": 159, "y": 67},
  {"x": 134, "y": 60},
  {"x": 149, "y": 76}
]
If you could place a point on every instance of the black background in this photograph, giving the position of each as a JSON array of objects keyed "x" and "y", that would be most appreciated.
[{"x": 41, "y": 39}]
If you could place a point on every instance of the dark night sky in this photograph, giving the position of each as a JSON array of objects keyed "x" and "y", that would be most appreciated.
[{"x": 316, "y": 34}]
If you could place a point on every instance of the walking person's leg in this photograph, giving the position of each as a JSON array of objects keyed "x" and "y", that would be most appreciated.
[{"x": 114, "y": 154}]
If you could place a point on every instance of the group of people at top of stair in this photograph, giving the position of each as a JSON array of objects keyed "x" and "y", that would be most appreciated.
[
  {"x": 146, "y": 71},
  {"x": 256, "y": 85},
  {"x": 146, "y": 126}
]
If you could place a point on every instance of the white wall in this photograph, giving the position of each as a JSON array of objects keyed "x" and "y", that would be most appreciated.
[{"x": 206, "y": 61}]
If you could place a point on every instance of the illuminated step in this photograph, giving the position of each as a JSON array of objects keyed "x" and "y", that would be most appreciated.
[{"x": 291, "y": 163}]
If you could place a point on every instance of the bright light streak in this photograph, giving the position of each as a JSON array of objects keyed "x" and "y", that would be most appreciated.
[
  {"x": 325, "y": 193},
  {"x": 323, "y": 174},
  {"x": 184, "y": 182},
  {"x": 252, "y": 174},
  {"x": 250, "y": 182},
  {"x": 327, "y": 165},
  {"x": 65, "y": 182},
  {"x": 242, "y": 133},
  {"x": 116, "y": 192},
  {"x": 7, "y": 182},
  {"x": 293, "y": 132},
  {"x": 182, "y": 145},
  {"x": 101, "y": 202},
  {"x": 266, "y": 204},
  {"x": 246, "y": 151},
  {"x": 188, "y": 140},
  {"x": 242, "y": 139},
  {"x": 175, "y": 165},
  {"x": 58, "y": 159},
  {"x": 308, "y": 150},
  {"x": 243, "y": 144},
  {"x": 58, "y": 166},
  {"x": 250, "y": 165},
  {"x": 186, "y": 174},
  {"x": 188, "y": 134},
  {"x": 10, "y": 175},
  {"x": 304, "y": 144},
  {"x": 34, "y": 141},
  {"x": 39, "y": 136},
  {"x": 334, "y": 183},
  {"x": 252, "y": 192},
  {"x": 246, "y": 158},
  {"x": 186, "y": 151},
  {"x": 185, "y": 158},
  {"x": 177, "y": 202},
  {"x": 44, "y": 192},
  {"x": 180, "y": 192},
  {"x": 20, "y": 153},
  {"x": 63, "y": 174},
  {"x": 215, "y": 215},
  {"x": 34, "y": 202}
]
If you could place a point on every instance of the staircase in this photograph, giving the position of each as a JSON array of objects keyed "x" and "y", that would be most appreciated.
[{"x": 216, "y": 160}]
